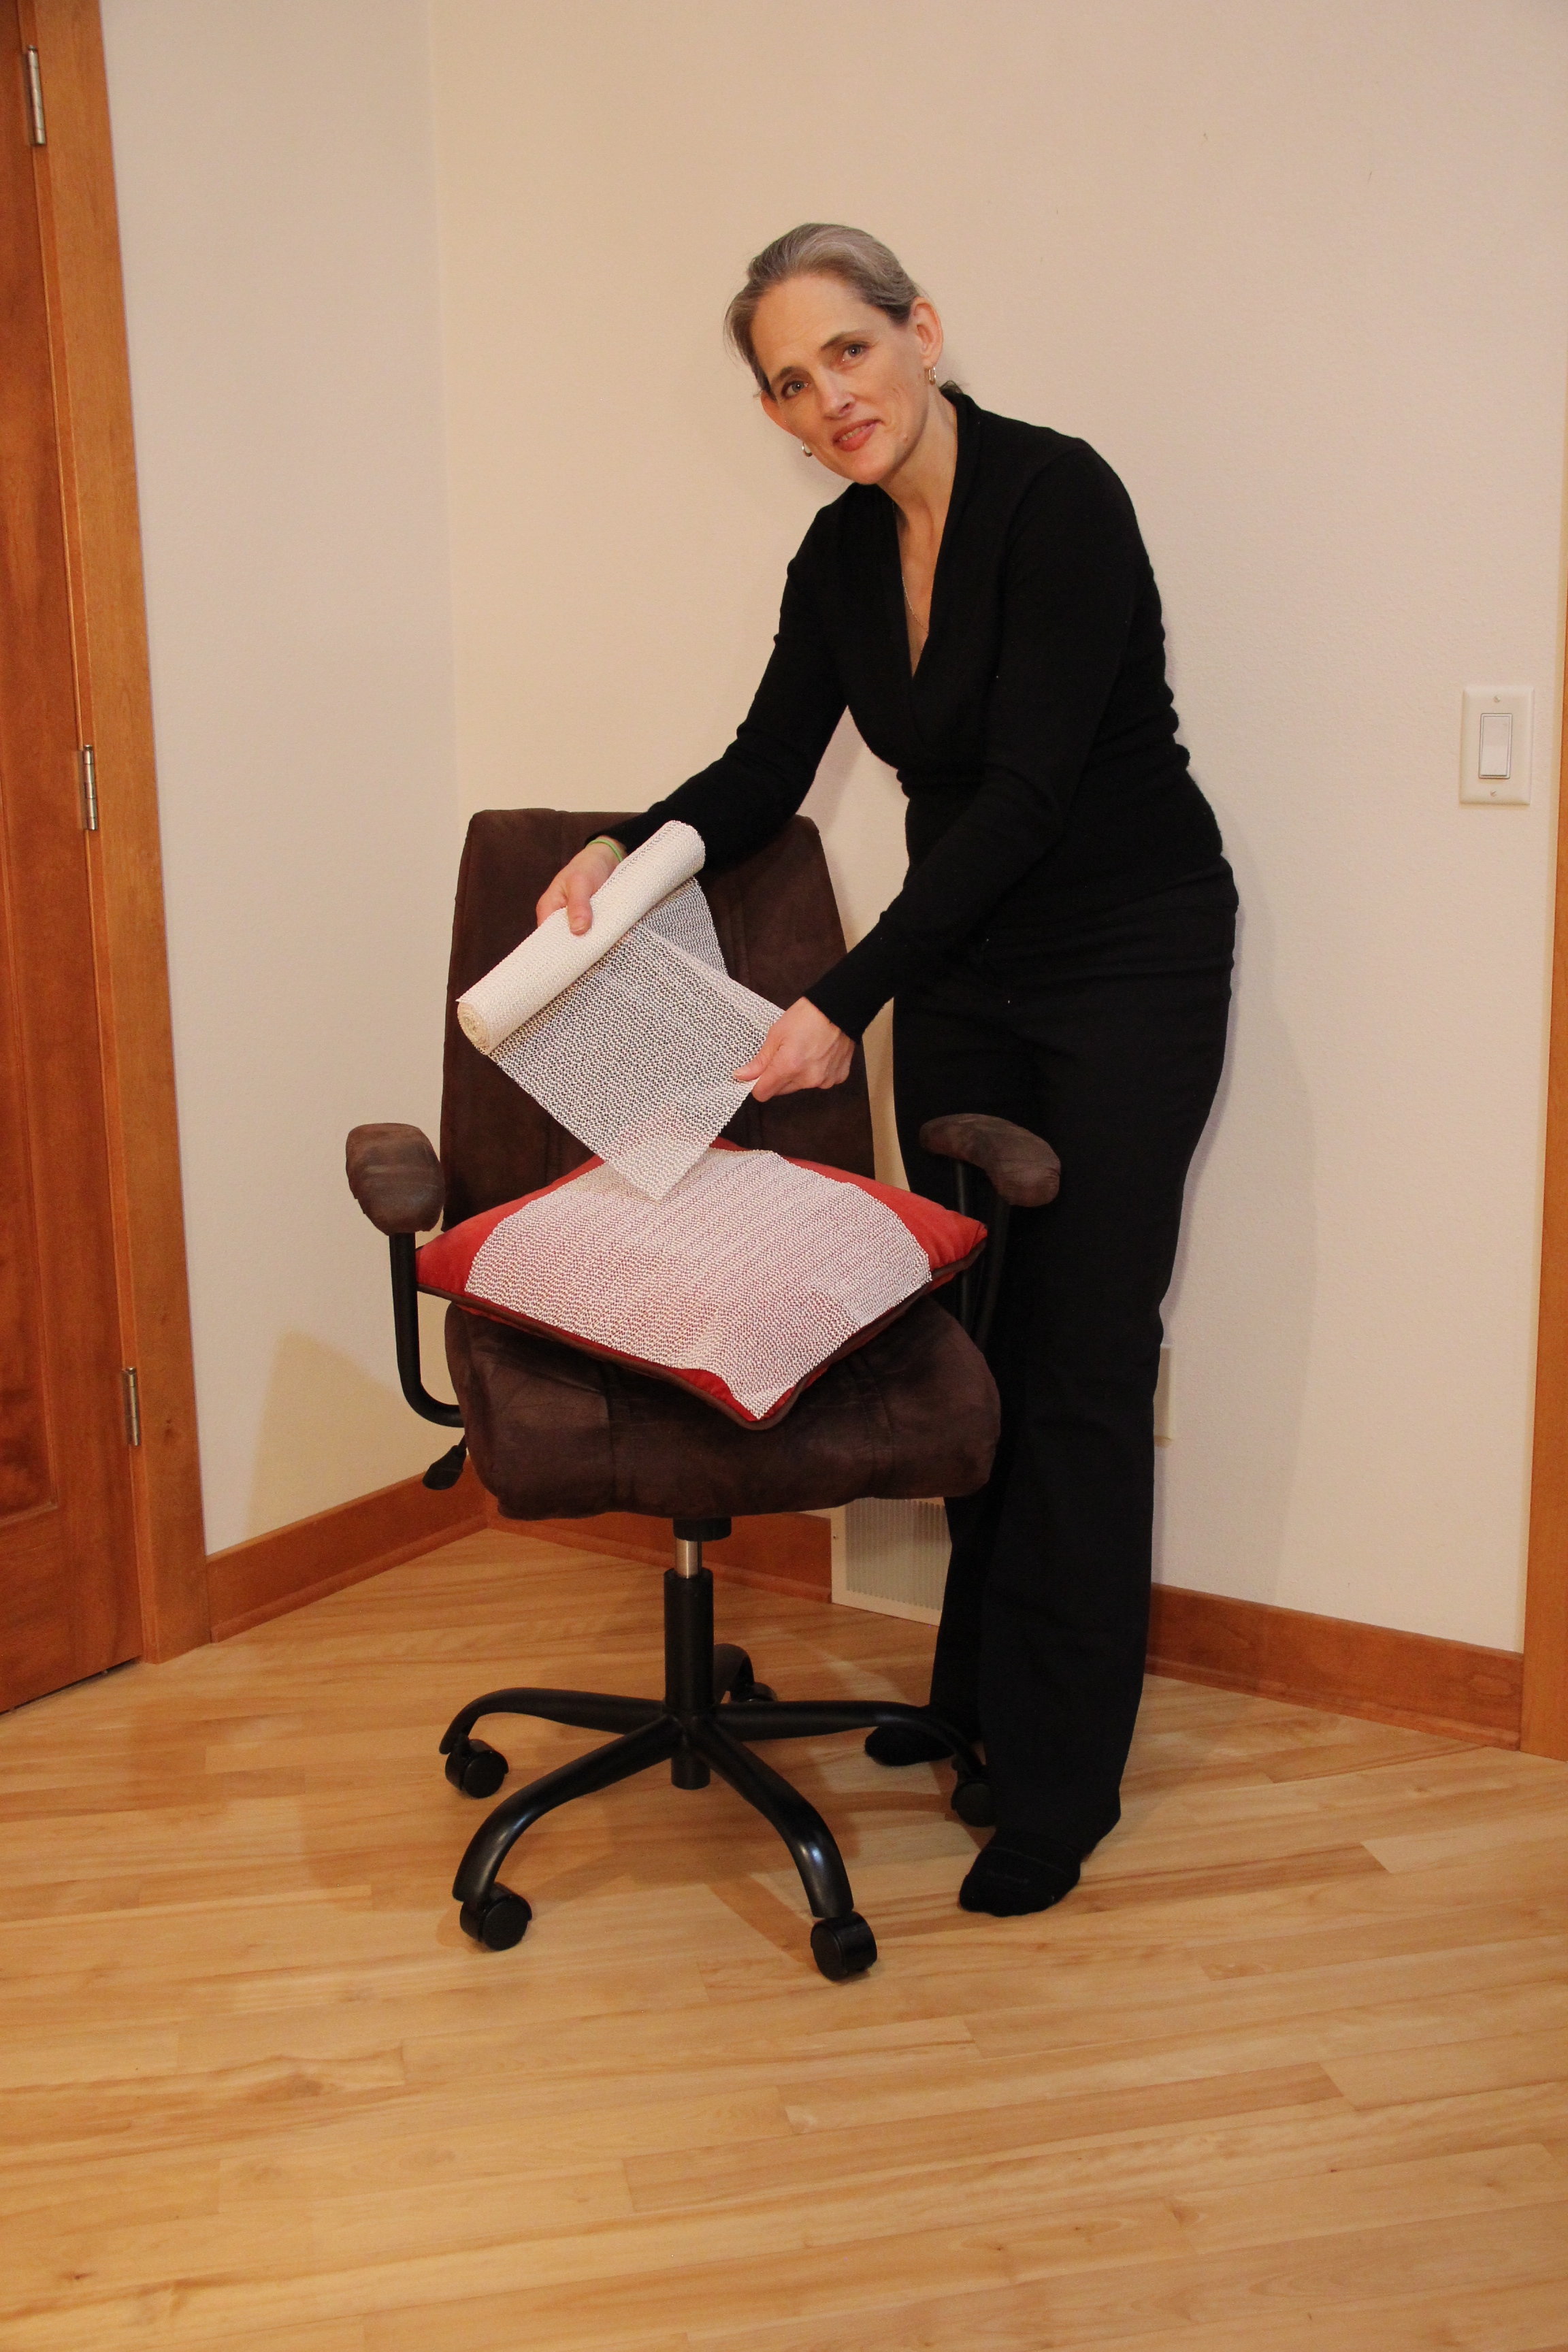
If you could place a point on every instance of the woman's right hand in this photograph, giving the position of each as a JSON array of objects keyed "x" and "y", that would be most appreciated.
[{"x": 575, "y": 883}]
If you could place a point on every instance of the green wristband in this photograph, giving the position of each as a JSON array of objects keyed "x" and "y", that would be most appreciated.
[{"x": 609, "y": 842}]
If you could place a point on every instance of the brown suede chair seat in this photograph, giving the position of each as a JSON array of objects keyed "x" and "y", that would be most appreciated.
[{"x": 554, "y": 1434}]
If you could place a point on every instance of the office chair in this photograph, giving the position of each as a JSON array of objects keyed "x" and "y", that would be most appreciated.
[{"x": 554, "y": 1433}]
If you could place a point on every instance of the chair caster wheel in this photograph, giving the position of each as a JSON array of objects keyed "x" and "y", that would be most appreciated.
[
  {"x": 499, "y": 1921},
  {"x": 843, "y": 1947},
  {"x": 733, "y": 1677},
  {"x": 477, "y": 1768},
  {"x": 974, "y": 1802}
]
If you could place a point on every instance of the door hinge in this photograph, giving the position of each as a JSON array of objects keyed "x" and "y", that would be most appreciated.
[
  {"x": 89, "y": 789},
  {"x": 131, "y": 1389},
  {"x": 35, "y": 100}
]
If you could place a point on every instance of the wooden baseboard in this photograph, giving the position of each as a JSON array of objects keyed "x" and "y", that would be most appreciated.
[
  {"x": 782, "y": 1551},
  {"x": 1413, "y": 1679},
  {"x": 1373, "y": 1671},
  {"x": 285, "y": 1569},
  {"x": 1450, "y": 1687}
]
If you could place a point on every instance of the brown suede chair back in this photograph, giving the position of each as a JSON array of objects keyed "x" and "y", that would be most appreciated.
[{"x": 778, "y": 927}]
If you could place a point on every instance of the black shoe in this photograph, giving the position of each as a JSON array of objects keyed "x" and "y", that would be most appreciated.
[{"x": 1008, "y": 1881}]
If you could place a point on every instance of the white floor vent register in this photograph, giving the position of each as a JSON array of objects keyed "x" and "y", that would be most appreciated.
[{"x": 890, "y": 1558}]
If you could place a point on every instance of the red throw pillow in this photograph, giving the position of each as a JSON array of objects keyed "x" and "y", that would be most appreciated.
[{"x": 742, "y": 1284}]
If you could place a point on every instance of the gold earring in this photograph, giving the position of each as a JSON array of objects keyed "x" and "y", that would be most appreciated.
[
  {"x": 806, "y": 450},
  {"x": 930, "y": 375}
]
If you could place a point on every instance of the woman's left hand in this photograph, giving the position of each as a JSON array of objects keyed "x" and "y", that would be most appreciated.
[{"x": 801, "y": 1049}]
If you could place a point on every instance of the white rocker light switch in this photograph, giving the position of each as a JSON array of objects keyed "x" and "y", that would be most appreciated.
[{"x": 1497, "y": 746}]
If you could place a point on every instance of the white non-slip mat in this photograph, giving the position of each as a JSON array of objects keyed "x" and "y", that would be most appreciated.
[
  {"x": 751, "y": 1269},
  {"x": 629, "y": 1034}
]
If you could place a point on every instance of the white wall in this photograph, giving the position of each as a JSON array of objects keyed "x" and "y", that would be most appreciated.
[
  {"x": 1296, "y": 270},
  {"x": 277, "y": 204}
]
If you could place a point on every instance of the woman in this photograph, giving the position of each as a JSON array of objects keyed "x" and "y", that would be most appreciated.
[{"x": 1059, "y": 955}]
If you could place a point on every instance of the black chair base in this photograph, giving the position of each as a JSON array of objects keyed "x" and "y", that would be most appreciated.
[{"x": 714, "y": 1713}]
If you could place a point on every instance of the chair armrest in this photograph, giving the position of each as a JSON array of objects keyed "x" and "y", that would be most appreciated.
[
  {"x": 396, "y": 1176},
  {"x": 1023, "y": 1168}
]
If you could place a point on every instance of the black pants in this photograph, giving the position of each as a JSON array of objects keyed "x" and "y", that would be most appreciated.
[{"x": 1109, "y": 1045}]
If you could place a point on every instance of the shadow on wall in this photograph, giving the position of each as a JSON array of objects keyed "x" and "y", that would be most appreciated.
[
  {"x": 323, "y": 1409},
  {"x": 1251, "y": 1210}
]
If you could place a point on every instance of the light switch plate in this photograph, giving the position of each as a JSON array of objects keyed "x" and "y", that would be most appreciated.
[{"x": 1496, "y": 791}]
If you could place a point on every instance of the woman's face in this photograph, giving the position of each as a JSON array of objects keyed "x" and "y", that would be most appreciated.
[{"x": 844, "y": 377}]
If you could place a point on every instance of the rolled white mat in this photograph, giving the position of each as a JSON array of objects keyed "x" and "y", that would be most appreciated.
[{"x": 552, "y": 958}]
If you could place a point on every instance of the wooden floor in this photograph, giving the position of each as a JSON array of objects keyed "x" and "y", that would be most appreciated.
[{"x": 1289, "y": 2070}]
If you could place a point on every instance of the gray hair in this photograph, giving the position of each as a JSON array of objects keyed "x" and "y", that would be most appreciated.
[{"x": 820, "y": 249}]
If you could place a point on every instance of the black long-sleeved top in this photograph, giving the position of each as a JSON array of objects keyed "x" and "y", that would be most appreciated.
[{"x": 1036, "y": 740}]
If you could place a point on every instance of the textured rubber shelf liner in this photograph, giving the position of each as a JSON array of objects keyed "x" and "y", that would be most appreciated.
[
  {"x": 753, "y": 1270},
  {"x": 628, "y": 1035}
]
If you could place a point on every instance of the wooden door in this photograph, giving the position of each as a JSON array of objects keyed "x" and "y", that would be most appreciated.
[{"x": 67, "y": 1605}]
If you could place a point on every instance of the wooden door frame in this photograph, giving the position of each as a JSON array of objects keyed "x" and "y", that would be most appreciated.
[
  {"x": 1543, "y": 1725},
  {"x": 93, "y": 394}
]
